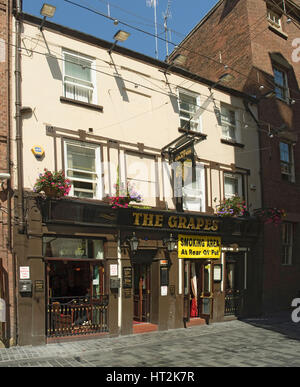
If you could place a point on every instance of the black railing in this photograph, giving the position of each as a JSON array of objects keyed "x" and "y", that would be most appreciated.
[
  {"x": 69, "y": 316},
  {"x": 233, "y": 303}
]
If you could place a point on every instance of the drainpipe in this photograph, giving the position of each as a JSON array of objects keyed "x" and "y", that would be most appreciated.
[
  {"x": 8, "y": 155},
  {"x": 246, "y": 104},
  {"x": 120, "y": 289},
  {"x": 18, "y": 117}
]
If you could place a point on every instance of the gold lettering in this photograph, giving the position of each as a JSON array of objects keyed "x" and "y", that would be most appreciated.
[
  {"x": 200, "y": 223},
  {"x": 172, "y": 222},
  {"x": 215, "y": 225},
  {"x": 148, "y": 220},
  {"x": 137, "y": 216},
  {"x": 159, "y": 220},
  {"x": 191, "y": 224},
  {"x": 207, "y": 225},
  {"x": 182, "y": 222}
]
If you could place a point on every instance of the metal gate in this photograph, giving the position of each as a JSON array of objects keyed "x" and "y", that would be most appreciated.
[{"x": 4, "y": 337}]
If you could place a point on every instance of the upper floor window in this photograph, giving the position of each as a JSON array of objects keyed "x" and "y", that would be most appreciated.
[
  {"x": 193, "y": 186},
  {"x": 83, "y": 168},
  {"x": 189, "y": 103},
  {"x": 78, "y": 77},
  {"x": 274, "y": 18},
  {"x": 287, "y": 243},
  {"x": 281, "y": 84},
  {"x": 286, "y": 161},
  {"x": 229, "y": 123},
  {"x": 233, "y": 185}
]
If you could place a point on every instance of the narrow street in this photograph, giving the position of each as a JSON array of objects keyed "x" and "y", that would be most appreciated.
[{"x": 260, "y": 342}]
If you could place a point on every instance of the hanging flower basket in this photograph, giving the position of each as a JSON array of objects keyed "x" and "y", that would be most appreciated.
[
  {"x": 53, "y": 184},
  {"x": 270, "y": 215},
  {"x": 232, "y": 207}
]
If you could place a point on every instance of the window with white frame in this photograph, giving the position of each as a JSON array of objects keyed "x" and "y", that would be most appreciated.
[
  {"x": 189, "y": 105},
  {"x": 83, "y": 169},
  {"x": 233, "y": 185},
  {"x": 79, "y": 77},
  {"x": 281, "y": 83},
  {"x": 193, "y": 190},
  {"x": 229, "y": 123},
  {"x": 287, "y": 243},
  {"x": 274, "y": 18},
  {"x": 286, "y": 161}
]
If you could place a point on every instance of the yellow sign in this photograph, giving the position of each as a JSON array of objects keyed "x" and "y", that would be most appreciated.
[{"x": 195, "y": 246}]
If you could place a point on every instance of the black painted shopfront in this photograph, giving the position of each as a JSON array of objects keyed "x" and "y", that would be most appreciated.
[{"x": 93, "y": 283}]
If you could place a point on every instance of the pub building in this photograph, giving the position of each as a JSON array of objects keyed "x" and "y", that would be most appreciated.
[
  {"x": 95, "y": 270},
  {"x": 83, "y": 268}
]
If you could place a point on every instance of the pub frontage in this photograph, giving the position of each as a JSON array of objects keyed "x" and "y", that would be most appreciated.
[{"x": 85, "y": 269}]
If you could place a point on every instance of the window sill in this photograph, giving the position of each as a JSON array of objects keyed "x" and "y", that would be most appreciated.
[
  {"x": 232, "y": 143},
  {"x": 195, "y": 133},
  {"x": 278, "y": 32},
  {"x": 82, "y": 104}
]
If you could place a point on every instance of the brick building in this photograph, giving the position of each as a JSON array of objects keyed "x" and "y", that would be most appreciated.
[
  {"x": 257, "y": 42},
  {"x": 6, "y": 267},
  {"x": 83, "y": 267}
]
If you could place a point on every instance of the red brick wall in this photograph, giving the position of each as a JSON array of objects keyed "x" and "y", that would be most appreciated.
[{"x": 5, "y": 114}]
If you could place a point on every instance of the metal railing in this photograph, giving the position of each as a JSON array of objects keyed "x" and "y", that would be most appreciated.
[
  {"x": 233, "y": 303},
  {"x": 70, "y": 316}
]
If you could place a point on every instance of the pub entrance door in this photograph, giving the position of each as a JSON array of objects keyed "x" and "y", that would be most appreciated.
[
  {"x": 142, "y": 293},
  {"x": 198, "y": 289}
]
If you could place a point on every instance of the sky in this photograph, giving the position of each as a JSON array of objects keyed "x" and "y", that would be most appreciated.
[{"x": 134, "y": 16}]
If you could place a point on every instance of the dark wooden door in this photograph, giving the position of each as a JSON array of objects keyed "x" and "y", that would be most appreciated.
[{"x": 142, "y": 293}]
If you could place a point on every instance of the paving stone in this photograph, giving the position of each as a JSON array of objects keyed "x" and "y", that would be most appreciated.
[{"x": 272, "y": 341}]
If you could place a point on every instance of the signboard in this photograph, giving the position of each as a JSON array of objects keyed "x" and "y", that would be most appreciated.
[
  {"x": 175, "y": 222},
  {"x": 113, "y": 270},
  {"x": 195, "y": 246},
  {"x": 24, "y": 272},
  {"x": 127, "y": 277}
]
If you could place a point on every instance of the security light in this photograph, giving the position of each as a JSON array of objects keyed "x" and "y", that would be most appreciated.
[
  {"x": 119, "y": 36},
  {"x": 179, "y": 59},
  {"x": 269, "y": 94},
  {"x": 47, "y": 10},
  {"x": 224, "y": 78}
]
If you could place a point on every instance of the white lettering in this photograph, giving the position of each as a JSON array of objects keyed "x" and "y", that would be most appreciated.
[
  {"x": 296, "y": 52},
  {"x": 295, "y": 303}
]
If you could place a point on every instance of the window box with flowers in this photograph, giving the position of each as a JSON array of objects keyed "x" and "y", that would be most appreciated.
[
  {"x": 270, "y": 215},
  {"x": 124, "y": 196},
  {"x": 53, "y": 184},
  {"x": 232, "y": 207}
]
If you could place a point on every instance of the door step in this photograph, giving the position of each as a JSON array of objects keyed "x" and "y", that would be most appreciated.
[
  {"x": 195, "y": 321},
  {"x": 144, "y": 327}
]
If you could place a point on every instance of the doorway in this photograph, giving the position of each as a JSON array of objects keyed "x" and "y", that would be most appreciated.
[
  {"x": 142, "y": 292},
  {"x": 198, "y": 290},
  {"x": 234, "y": 283}
]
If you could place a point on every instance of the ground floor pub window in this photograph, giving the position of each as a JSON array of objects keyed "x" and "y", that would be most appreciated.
[{"x": 76, "y": 293}]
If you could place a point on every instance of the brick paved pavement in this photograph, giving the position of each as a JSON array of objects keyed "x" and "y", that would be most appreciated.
[{"x": 262, "y": 342}]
